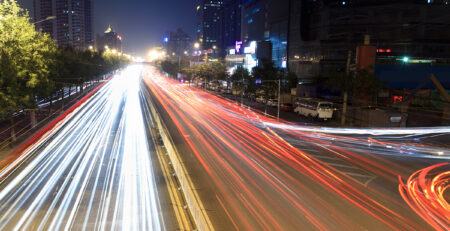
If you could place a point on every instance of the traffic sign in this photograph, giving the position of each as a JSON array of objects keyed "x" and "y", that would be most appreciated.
[{"x": 258, "y": 81}]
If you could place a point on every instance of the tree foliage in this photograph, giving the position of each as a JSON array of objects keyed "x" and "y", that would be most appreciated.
[
  {"x": 32, "y": 67},
  {"x": 169, "y": 67},
  {"x": 241, "y": 76},
  {"x": 269, "y": 74},
  {"x": 26, "y": 58}
]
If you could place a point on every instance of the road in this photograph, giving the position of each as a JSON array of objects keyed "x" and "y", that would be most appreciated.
[
  {"x": 95, "y": 170},
  {"x": 255, "y": 173}
]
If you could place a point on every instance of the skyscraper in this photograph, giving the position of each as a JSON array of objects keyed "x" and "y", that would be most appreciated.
[
  {"x": 72, "y": 26},
  {"x": 210, "y": 24},
  {"x": 110, "y": 40},
  {"x": 231, "y": 14}
]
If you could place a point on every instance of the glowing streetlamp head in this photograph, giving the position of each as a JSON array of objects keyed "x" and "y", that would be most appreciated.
[{"x": 197, "y": 45}]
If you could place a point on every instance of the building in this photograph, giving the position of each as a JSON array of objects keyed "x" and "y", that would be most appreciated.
[
  {"x": 232, "y": 16},
  {"x": 322, "y": 32},
  {"x": 210, "y": 23},
  {"x": 72, "y": 26},
  {"x": 109, "y": 40},
  {"x": 177, "y": 43},
  {"x": 267, "y": 20}
]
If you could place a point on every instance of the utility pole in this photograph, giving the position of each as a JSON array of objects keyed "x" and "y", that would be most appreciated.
[
  {"x": 279, "y": 98},
  {"x": 344, "y": 103}
]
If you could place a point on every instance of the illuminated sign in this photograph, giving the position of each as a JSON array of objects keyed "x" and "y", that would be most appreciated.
[
  {"x": 250, "y": 49},
  {"x": 232, "y": 51},
  {"x": 238, "y": 46}
]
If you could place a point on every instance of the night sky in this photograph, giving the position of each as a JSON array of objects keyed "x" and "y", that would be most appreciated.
[{"x": 142, "y": 23}]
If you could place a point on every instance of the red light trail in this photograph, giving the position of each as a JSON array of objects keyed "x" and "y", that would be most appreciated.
[{"x": 266, "y": 175}]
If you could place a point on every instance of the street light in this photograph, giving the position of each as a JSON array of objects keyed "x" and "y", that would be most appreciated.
[
  {"x": 46, "y": 19},
  {"x": 197, "y": 45},
  {"x": 279, "y": 94}
]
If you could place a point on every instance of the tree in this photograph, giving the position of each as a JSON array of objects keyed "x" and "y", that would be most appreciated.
[
  {"x": 26, "y": 58},
  {"x": 219, "y": 71},
  {"x": 268, "y": 73},
  {"x": 291, "y": 81},
  {"x": 203, "y": 71},
  {"x": 362, "y": 83},
  {"x": 240, "y": 76},
  {"x": 169, "y": 67}
]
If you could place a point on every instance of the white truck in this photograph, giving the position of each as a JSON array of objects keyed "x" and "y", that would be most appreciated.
[{"x": 314, "y": 108}]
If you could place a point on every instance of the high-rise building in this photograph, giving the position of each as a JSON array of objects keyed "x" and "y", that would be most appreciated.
[
  {"x": 177, "y": 43},
  {"x": 322, "y": 32},
  {"x": 109, "y": 40},
  {"x": 267, "y": 20},
  {"x": 231, "y": 15},
  {"x": 210, "y": 23},
  {"x": 72, "y": 26}
]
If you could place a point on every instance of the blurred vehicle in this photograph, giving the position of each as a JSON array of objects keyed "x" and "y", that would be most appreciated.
[
  {"x": 260, "y": 99},
  {"x": 272, "y": 102},
  {"x": 286, "y": 107},
  {"x": 314, "y": 108}
]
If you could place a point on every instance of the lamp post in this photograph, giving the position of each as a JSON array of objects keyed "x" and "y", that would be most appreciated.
[
  {"x": 197, "y": 46},
  {"x": 278, "y": 81}
]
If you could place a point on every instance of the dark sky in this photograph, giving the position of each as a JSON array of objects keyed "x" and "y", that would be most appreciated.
[{"x": 142, "y": 23}]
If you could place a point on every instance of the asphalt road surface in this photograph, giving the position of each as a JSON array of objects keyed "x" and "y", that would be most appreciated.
[{"x": 254, "y": 173}]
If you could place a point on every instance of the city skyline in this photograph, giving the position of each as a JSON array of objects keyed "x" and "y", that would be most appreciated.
[{"x": 141, "y": 29}]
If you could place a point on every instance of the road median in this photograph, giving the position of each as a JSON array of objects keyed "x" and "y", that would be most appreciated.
[{"x": 198, "y": 212}]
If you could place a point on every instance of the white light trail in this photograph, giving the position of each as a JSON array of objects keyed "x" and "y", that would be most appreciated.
[
  {"x": 363, "y": 131},
  {"x": 93, "y": 172}
]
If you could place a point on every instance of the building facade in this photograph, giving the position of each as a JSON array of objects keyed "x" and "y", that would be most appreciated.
[
  {"x": 72, "y": 26},
  {"x": 110, "y": 40},
  {"x": 210, "y": 28},
  {"x": 267, "y": 20},
  {"x": 177, "y": 43},
  {"x": 232, "y": 16},
  {"x": 322, "y": 32}
]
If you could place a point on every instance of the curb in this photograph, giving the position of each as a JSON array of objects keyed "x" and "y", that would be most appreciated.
[{"x": 194, "y": 204}]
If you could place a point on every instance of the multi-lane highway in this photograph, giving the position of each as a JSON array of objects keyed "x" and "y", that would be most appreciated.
[
  {"x": 97, "y": 168},
  {"x": 94, "y": 170},
  {"x": 254, "y": 173}
]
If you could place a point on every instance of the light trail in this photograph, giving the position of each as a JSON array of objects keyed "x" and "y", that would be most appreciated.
[
  {"x": 92, "y": 171},
  {"x": 270, "y": 175},
  {"x": 427, "y": 193}
]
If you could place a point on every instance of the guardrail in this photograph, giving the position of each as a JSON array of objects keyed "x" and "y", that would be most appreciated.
[{"x": 194, "y": 204}]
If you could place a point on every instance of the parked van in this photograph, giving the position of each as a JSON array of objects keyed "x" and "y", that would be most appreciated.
[{"x": 314, "y": 108}]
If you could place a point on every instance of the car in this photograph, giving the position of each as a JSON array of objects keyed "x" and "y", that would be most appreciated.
[
  {"x": 272, "y": 102},
  {"x": 260, "y": 99},
  {"x": 287, "y": 107}
]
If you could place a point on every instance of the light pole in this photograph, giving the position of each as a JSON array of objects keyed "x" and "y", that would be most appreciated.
[
  {"x": 43, "y": 20},
  {"x": 279, "y": 95},
  {"x": 197, "y": 46}
]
